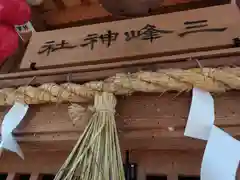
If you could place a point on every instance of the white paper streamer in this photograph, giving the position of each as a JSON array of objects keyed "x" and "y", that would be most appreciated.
[
  {"x": 201, "y": 116},
  {"x": 10, "y": 122},
  {"x": 222, "y": 153},
  {"x": 221, "y": 156},
  {"x": 25, "y": 28}
]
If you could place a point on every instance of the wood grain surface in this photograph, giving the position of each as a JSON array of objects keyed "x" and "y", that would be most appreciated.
[
  {"x": 144, "y": 122},
  {"x": 122, "y": 50}
]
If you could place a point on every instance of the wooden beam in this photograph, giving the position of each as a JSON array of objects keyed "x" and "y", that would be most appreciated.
[
  {"x": 143, "y": 121},
  {"x": 80, "y": 74},
  {"x": 138, "y": 113},
  {"x": 151, "y": 162},
  {"x": 44, "y": 162},
  {"x": 223, "y": 57},
  {"x": 75, "y": 13}
]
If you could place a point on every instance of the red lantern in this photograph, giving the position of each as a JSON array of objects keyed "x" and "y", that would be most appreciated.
[
  {"x": 8, "y": 41},
  {"x": 12, "y": 12}
]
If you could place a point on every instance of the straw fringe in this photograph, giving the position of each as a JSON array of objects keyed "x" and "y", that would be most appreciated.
[
  {"x": 96, "y": 155},
  {"x": 209, "y": 79}
]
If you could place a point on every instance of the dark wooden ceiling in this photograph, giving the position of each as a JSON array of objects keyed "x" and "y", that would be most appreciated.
[{"x": 67, "y": 13}]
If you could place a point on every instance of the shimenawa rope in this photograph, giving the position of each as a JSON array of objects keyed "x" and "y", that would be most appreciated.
[{"x": 209, "y": 79}]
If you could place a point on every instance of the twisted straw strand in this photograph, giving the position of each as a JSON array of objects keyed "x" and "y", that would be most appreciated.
[{"x": 209, "y": 79}]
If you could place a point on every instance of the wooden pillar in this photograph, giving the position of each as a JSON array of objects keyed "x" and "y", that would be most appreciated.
[
  {"x": 35, "y": 176},
  {"x": 11, "y": 176},
  {"x": 141, "y": 175},
  {"x": 172, "y": 176}
]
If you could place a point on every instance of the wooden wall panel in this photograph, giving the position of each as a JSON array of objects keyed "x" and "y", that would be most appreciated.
[
  {"x": 44, "y": 162},
  {"x": 141, "y": 111},
  {"x": 144, "y": 122},
  {"x": 149, "y": 162}
]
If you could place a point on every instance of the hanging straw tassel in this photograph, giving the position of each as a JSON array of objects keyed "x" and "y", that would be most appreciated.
[
  {"x": 97, "y": 155},
  {"x": 79, "y": 114}
]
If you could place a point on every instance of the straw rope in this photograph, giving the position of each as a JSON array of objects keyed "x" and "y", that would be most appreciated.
[{"x": 209, "y": 79}]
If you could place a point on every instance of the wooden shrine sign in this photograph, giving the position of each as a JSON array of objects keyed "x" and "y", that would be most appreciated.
[{"x": 153, "y": 36}]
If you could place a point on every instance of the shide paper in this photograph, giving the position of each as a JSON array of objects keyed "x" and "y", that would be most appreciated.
[
  {"x": 10, "y": 122},
  {"x": 222, "y": 153},
  {"x": 201, "y": 116},
  {"x": 25, "y": 28},
  {"x": 221, "y": 156}
]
